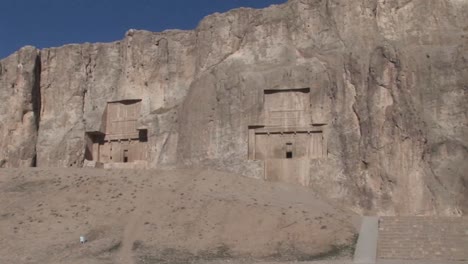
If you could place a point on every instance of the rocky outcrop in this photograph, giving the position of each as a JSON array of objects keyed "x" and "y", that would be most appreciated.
[
  {"x": 19, "y": 108},
  {"x": 389, "y": 80}
]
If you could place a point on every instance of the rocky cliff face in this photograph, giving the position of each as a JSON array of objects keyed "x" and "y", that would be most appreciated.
[
  {"x": 19, "y": 108},
  {"x": 389, "y": 80}
]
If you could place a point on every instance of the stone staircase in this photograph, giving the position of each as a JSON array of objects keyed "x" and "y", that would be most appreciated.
[{"x": 423, "y": 238}]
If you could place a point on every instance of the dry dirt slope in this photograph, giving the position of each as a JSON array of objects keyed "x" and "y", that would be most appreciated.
[{"x": 173, "y": 216}]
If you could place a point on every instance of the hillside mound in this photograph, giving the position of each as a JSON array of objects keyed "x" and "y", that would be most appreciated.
[{"x": 162, "y": 216}]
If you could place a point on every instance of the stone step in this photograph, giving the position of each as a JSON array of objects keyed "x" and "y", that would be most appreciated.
[{"x": 423, "y": 238}]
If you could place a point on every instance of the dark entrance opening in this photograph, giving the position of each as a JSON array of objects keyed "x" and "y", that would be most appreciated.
[
  {"x": 125, "y": 156},
  {"x": 289, "y": 153}
]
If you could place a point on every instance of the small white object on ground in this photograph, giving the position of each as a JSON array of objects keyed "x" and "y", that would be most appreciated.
[{"x": 83, "y": 239}]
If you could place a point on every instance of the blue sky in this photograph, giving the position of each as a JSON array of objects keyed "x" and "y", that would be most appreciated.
[{"x": 51, "y": 23}]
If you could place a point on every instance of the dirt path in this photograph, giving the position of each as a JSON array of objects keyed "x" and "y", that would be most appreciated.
[
  {"x": 132, "y": 230},
  {"x": 134, "y": 226}
]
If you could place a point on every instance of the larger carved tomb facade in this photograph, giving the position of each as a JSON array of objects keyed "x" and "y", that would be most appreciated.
[
  {"x": 120, "y": 140},
  {"x": 286, "y": 138}
]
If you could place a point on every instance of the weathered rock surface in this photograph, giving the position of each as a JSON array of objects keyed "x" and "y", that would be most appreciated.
[
  {"x": 389, "y": 80},
  {"x": 19, "y": 108}
]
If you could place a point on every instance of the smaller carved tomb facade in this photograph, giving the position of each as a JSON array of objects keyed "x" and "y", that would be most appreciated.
[
  {"x": 286, "y": 130},
  {"x": 121, "y": 140}
]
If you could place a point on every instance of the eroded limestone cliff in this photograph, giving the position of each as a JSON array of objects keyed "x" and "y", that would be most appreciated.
[{"x": 388, "y": 83}]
